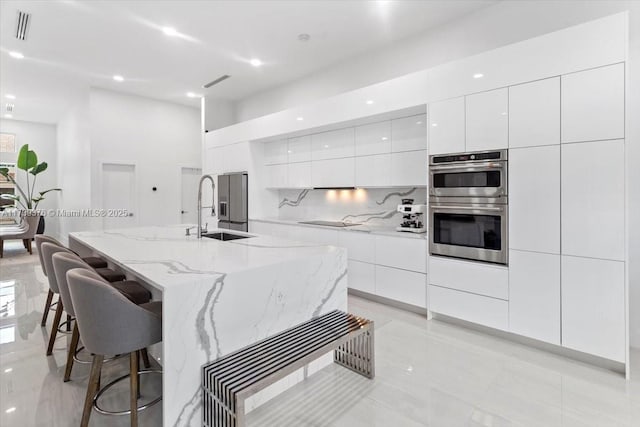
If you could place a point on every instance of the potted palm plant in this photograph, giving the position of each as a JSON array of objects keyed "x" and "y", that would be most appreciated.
[{"x": 27, "y": 199}]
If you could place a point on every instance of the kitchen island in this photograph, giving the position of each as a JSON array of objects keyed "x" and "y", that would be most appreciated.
[{"x": 219, "y": 296}]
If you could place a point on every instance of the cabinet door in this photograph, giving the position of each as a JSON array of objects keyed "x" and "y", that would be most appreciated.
[
  {"x": 470, "y": 307},
  {"x": 409, "y": 133},
  {"x": 275, "y": 152},
  {"x": 474, "y": 277},
  {"x": 593, "y": 309},
  {"x": 402, "y": 252},
  {"x": 299, "y": 175},
  {"x": 446, "y": 126},
  {"x": 534, "y": 199},
  {"x": 593, "y": 104},
  {"x": 401, "y": 285},
  {"x": 333, "y": 173},
  {"x": 299, "y": 149},
  {"x": 409, "y": 168},
  {"x": 360, "y": 246},
  {"x": 373, "y": 139},
  {"x": 534, "y": 113},
  {"x": 361, "y": 276},
  {"x": 593, "y": 199},
  {"x": 487, "y": 120},
  {"x": 332, "y": 145},
  {"x": 373, "y": 171},
  {"x": 534, "y": 295},
  {"x": 276, "y": 176}
]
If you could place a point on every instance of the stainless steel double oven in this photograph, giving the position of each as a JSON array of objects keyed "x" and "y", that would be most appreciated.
[{"x": 468, "y": 206}]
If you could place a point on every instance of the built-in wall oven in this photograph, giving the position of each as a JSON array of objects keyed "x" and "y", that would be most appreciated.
[{"x": 468, "y": 206}]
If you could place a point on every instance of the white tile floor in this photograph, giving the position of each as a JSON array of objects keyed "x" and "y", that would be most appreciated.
[{"x": 429, "y": 373}]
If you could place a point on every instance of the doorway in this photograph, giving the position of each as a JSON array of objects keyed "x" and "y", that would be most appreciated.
[
  {"x": 189, "y": 178},
  {"x": 118, "y": 195}
]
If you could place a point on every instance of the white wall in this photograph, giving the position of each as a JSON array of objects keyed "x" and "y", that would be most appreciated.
[
  {"x": 42, "y": 139},
  {"x": 158, "y": 137}
]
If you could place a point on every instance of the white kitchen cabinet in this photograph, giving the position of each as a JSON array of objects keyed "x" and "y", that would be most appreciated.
[
  {"x": 360, "y": 246},
  {"x": 276, "y": 176},
  {"x": 275, "y": 152},
  {"x": 534, "y": 113},
  {"x": 409, "y": 168},
  {"x": 534, "y": 295},
  {"x": 487, "y": 120},
  {"x": 374, "y": 138},
  {"x": 473, "y": 277},
  {"x": 399, "y": 252},
  {"x": 373, "y": 171},
  {"x": 402, "y": 285},
  {"x": 333, "y": 173},
  {"x": 409, "y": 133},
  {"x": 593, "y": 104},
  {"x": 446, "y": 126},
  {"x": 593, "y": 199},
  {"x": 593, "y": 307},
  {"x": 299, "y": 149},
  {"x": 332, "y": 145},
  {"x": 478, "y": 309},
  {"x": 534, "y": 199},
  {"x": 320, "y": 236},
  {"x": 299, "y": 175},
  {"x": 361, "y": 276}
]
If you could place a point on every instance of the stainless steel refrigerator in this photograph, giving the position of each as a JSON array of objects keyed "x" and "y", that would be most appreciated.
[{"x": 232, "y": 201}]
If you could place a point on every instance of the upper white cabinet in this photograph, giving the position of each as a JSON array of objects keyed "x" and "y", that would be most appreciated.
[
  {"x": 299, "y": 149},
  {"x": 333, "y": 173},
  {"x": 373, "y": 171},
  {"x": 534, "y": 199},
  {"x": 409, "y": 133},
  {"x": 299, "y": 175},
  {"x": 409, "y": 168},
  {"x": 332, "y": 145},
  {"x": 446, "y": 126},
  {"x": 593, "y": 199},
  {"x": 374, "y": 138},
  {"x": 534, "y": 113},
  {"x": 593, "y": 104},
  {"x": 275, "y": 152},
  {"x": 593, "y": 306},
  {"x": 487, "y": 120},
  {"x": 534, "y": 295},
  {"x": 276, "y": 176}
]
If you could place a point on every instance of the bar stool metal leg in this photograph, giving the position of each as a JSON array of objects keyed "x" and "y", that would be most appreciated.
[
  {"x": 92, "y": 387},
  {"x": 133, "y": 377},
  {"x": 47, "y": 305},
  {"x": 54, "y": 327}
]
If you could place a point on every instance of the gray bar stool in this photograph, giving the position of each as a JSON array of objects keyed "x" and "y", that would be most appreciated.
[
  {"x": 135, "y": 292},
  {"x": 111, "y": 324},
  {"x": 94, "y": 262}
]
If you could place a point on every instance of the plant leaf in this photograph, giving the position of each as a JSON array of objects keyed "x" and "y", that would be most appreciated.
[
  {"x": 4, "y": 172},
  {"x": 10, "y": 197},
  {"x": 42, "y": 193},
  {"x": 39, "y": 168},
  {"x": 27, "y": 159}
]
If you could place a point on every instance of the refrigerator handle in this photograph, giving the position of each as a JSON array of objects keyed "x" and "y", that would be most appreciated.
[{"x": 223, "y": 209}]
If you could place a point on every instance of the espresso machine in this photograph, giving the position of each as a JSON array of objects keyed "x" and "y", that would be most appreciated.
[{"x": 412, "y": 217}]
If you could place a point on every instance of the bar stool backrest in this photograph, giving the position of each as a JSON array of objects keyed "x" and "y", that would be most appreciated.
[
  {"x": 48, "y": 249},
  {"x": 63, "y": 262},
  {"x": 40, "y": 239},
  {"x": 109, "y": 323}
]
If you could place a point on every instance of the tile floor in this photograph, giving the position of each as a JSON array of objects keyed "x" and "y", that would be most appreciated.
[{"x": 429, "y": 373}]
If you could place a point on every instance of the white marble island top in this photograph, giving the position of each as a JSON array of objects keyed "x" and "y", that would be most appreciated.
[{"x": 220, "y": 296}]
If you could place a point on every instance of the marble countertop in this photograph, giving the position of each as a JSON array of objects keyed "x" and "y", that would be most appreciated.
[
  {"x": 364, "y": 228},
  {"x": 165, "y": 257}
]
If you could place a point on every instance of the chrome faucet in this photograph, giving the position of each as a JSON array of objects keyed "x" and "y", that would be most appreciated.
[{"x": 213, "y": 204}]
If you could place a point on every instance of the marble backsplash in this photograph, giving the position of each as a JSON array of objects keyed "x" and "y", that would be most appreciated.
[{"x": 372, "y": 206}]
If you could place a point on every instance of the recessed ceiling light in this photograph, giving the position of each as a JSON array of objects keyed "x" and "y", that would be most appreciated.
[
  {"x": 10, "y": 410},
  {"x": 193, "y": 95},
  {"x": 8, "y": 116},
  {"x": 419, "y": 122},
  {"x": 434, "y": 125},
  {"x": 255, "y": 62},
  {"x": 169, "y": 31},
  {"x": 9, "y": 96},
  {"x": 478, "y": 75},
  {"x": 299, "y": 119},
  {"x": 118, "y": 78},
  {"x": 16, "y": 55},
  {"x": 304, "y": 37},
  {"x": 326, "y": 146},
  {"x": 369, "y": 102},
  {"x": 384, "y": 138},
  {"x": 6, "y": 371}
]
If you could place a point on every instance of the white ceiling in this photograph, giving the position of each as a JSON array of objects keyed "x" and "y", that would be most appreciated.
[{"x": 75, "y": 44}]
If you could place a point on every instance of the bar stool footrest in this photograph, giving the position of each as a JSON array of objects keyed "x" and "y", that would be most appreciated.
[{"x": 97, "y": 407}]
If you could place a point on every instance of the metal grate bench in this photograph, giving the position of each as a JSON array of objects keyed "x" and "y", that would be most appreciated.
[{"x": 231, "y": 379}]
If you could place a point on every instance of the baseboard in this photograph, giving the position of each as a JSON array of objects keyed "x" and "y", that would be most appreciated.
[{"x": 388, "y": 301}]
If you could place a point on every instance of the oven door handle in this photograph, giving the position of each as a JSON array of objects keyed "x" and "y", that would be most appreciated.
[
  {"x": 469, "y": 208},
  {"x": 468, "y": 166}
]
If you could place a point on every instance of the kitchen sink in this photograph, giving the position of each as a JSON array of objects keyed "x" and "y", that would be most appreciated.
[{"x": 224, "y": 236}]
